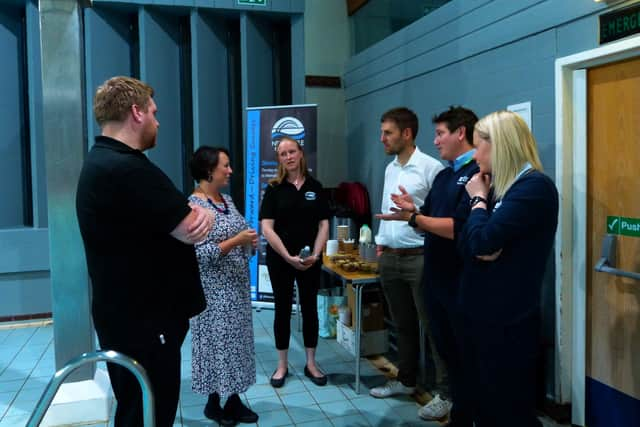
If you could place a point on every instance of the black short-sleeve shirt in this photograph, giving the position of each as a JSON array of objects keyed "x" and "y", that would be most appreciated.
[
  {"x": 141, "y": 276},
  {"x": 296, "y": 213}
]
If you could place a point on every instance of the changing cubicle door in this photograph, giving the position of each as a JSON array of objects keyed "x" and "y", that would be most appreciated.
[{"x": 613, "y": 253}]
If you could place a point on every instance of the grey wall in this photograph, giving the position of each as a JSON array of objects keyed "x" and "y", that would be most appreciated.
[
  {"x": 189, "y": 50},
  {"x": 327, "y": 24},
  {"x": 24, "y": 245},
  {"x": 483, "y": 54}
]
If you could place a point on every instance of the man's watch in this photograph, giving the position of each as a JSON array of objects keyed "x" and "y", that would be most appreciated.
[
  {"x": 477, "y": 199},
  {"x": 412, "y": 220}
]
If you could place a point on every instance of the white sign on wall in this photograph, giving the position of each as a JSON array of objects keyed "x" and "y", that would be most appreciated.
[{"x": 523, "y": 110}]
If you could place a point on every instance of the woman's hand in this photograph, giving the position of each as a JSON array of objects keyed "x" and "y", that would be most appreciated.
[
  {"x": 310, "y": 260},
  {"x": 247, "y": 237},
  {"x": 479, "y": 185},
  {"x": 299, "y": 263}
]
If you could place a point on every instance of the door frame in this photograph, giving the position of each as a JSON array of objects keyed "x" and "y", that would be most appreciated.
[{"x": 571, "y": 180}]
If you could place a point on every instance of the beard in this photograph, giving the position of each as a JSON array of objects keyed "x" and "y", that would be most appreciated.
[{"x": 149, "y": 139}]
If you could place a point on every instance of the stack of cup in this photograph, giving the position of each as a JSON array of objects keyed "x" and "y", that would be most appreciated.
[{"x": 342, "y": 232}]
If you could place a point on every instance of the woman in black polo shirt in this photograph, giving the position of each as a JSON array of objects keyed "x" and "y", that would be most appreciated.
[{"x": 294, "y": 214}]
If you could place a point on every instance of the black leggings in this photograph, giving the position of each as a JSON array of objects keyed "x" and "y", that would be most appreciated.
[{"x": 282, "y": 276}]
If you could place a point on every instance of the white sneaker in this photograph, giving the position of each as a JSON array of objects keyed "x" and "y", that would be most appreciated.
[
  {"x": 391, "y": 388},
  {"x": 436, "y": 408}
]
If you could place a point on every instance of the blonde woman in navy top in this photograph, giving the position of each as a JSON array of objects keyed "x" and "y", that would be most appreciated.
[{"x": 506, "y": 243}]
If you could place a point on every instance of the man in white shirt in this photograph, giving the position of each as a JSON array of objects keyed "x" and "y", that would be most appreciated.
[{"x": 400, "y": 251}]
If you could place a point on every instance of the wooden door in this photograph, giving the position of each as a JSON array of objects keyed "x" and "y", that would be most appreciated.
[{"x": 613, "y": 197}]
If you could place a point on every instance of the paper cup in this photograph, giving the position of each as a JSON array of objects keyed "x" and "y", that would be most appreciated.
[{"x": 332, "y": 247}]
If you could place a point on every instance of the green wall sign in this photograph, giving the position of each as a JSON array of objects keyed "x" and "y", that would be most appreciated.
[
  {"x": 252, "y": 2},
  {"x": 619, "y": 24},
  {"x": 623, "y": 226}
]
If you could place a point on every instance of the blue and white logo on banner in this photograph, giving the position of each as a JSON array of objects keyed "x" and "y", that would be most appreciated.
[{"x": 287, "y": 127}]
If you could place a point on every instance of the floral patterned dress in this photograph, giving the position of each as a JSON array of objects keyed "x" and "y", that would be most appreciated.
[{"x": 223, "y": 355}]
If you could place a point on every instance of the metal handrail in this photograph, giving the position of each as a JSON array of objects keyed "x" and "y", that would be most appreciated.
[{"x": 100, "y": 356}]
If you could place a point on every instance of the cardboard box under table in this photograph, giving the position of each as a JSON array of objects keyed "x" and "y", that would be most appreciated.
[
  {"x": 372, "y": 342},
  {"x": 372, "y": 312}
]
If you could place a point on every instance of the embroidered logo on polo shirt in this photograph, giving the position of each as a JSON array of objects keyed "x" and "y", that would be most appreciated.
[
  {"x": 495, "y": 208},
  {"x": 463, "y": 180},
  {"x": 310, "y": 195}
]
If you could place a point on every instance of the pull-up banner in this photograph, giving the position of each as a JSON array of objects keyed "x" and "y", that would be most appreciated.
[{"x": 265, "y": 127}]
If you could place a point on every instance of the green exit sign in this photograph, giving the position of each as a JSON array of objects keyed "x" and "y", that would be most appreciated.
[
  {"x": 619, "y": 24},
  {"x": 623, "y": 226},
  {"x": 252, "y": 2}
]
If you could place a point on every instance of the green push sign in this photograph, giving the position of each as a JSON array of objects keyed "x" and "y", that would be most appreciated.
[
  {"x": 623, "y": 226},
  {"x": 252, "y": 2}
]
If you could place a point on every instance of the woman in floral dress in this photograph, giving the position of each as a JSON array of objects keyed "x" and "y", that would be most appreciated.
[{"x": 223, "y": 357}]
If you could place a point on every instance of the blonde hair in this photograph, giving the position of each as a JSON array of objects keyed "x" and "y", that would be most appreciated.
[
  {"x": 512, "y": 146},
  {"x": 114, "y": 98},
  {"x": 282, "y": 172}
]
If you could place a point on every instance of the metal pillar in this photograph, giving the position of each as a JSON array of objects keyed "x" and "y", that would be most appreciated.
[{"x": 64, "y": 143}]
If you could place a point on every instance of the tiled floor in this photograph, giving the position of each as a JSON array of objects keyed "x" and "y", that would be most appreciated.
[{"x": 27, "y": 364}]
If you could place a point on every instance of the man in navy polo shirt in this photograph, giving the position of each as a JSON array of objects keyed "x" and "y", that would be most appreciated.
[{"x": 441, "y": 217}]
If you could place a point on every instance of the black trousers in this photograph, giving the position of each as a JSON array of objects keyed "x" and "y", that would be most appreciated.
[
  {"x": 282, "y": 276},
  {"x": 162, "y": 364},
  {"x": 499, "y": 369},
  {"x": 445, "y": 322}
]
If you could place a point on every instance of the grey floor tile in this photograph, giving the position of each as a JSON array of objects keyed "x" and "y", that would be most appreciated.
[
  {"x": 397, "y": 401},
  {"x": 408, "y": 412},
  {"x": 350, "y": 421},
  {"x": 274, "y": 419},
  {"x": 9, "y": 386},
  {"x": 12, "y": 375},
  {"x": 307, "y": 413},
  {"x": 189, "y": 398},
  {"x": 338, "y": 409},
  {"x": 260, "y": 391},
  {"x": 19, "y": 410},
  {"x": 319, "y": 423},
  {"x": 194, "y": 412},
  {"x": 328, "y": 393},
  {"x": 14, "y": 421},
  {"x": 385, "y": 421},
  {"x": 266, "y": 404},
  {"x": 291, "y": 386},
  {"x": 350, "y": 393},
  {"x": 300, "y": 399}
]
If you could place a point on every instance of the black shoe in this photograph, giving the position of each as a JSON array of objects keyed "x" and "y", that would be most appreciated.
[
  {"x": 213, "y": 411},
  {"x": 279, "y": 382},
  {"x": 322, "y": 380},
  {"x": 239, "y": 411}
]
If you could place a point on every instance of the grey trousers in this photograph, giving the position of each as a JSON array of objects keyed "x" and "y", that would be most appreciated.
[{"x": 401, "y": 278}]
